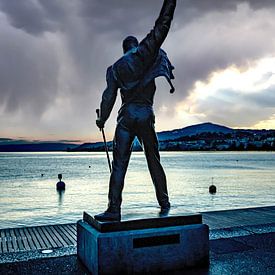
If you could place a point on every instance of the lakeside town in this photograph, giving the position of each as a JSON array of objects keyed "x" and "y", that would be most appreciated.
[{"x": 235, "y": 141}]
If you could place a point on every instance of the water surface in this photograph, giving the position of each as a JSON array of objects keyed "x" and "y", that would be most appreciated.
[{"x": 243, "y": 179}]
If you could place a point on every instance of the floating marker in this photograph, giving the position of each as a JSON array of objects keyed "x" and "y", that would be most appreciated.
[
  {"x": 212, "y": 189},
  {"x": 60, "y": 185}
]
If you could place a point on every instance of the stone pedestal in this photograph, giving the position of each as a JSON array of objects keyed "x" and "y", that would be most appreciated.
[{"x": 139, "y": 246}]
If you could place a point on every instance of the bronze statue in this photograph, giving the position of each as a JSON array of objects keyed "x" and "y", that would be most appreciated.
[{"x": 134, "y": 74}]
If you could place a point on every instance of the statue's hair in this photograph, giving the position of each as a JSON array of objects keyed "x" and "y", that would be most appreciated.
[{"x": 128, "y": 42}]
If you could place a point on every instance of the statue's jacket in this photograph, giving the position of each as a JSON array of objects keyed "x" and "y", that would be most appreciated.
[{"x": 136, "y": 70}]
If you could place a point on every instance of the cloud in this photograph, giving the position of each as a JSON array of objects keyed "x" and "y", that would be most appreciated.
[
  {"x": 236, "y": 98},
  {"x": 54, "y": 54},
  {"x": 236, "y": 110},
  {"x": 28, "y": 71},
  {"x": 27, "y": 15}
]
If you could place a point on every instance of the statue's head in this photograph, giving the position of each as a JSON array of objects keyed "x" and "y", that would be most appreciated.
[{"x": 128, "y": 43}]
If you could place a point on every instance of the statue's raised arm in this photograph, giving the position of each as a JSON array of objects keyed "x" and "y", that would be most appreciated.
[
  {"x": 130, "y": 69},
  {"x": 148, "y": 48}
]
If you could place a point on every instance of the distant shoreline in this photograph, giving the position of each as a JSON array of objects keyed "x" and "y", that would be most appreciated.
[{"x": 200, "y": 137}]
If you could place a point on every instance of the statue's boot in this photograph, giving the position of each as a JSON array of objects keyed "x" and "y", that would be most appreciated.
[
  {"x": 164, "y": 209},
  {"x": 108, "y": 216}
]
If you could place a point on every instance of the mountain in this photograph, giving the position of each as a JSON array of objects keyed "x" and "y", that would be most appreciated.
[
  {"x": 36, "y": 147},
  {"x": 207, "y": 127}
]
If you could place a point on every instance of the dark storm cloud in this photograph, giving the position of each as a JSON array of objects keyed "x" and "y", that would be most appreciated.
[
  {"x": 139, "y": 15},
  {"x": 52, "y": 51},
  {"x": 28, "y": 15},
  {"x": 28, "y": 71},
  {"x": 36, "y": 16}
]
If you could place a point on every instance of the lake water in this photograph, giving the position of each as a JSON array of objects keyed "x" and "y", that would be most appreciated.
[{"x": 243, "y": 179}]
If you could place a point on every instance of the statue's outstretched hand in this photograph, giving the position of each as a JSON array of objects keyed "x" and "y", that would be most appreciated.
[{"x": 100, "y": 123}]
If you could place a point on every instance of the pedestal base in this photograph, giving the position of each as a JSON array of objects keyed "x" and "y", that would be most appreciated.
[{"x": 147, "y": 250}]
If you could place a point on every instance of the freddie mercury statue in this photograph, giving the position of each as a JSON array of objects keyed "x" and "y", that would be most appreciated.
[{"x": 134, "y": 74}]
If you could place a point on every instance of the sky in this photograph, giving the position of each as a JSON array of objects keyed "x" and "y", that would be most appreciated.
[{"x": 54, "y": 55}]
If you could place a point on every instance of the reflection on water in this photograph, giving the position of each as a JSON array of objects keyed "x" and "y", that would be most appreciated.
[
  {"x": 60, "y": 194},
  {"x": 27, "y": 198}
]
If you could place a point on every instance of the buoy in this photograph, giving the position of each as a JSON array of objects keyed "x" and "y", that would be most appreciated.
[
  {"x": 212, "y": 189},
  {"x": 89, "y": 166},
  {"x": 60, "y": 185}
]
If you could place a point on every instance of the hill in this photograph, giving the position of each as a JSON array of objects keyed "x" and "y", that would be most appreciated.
[
  {"x": 194, "y": 130},
  {"x": 36, "y": 147}
]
